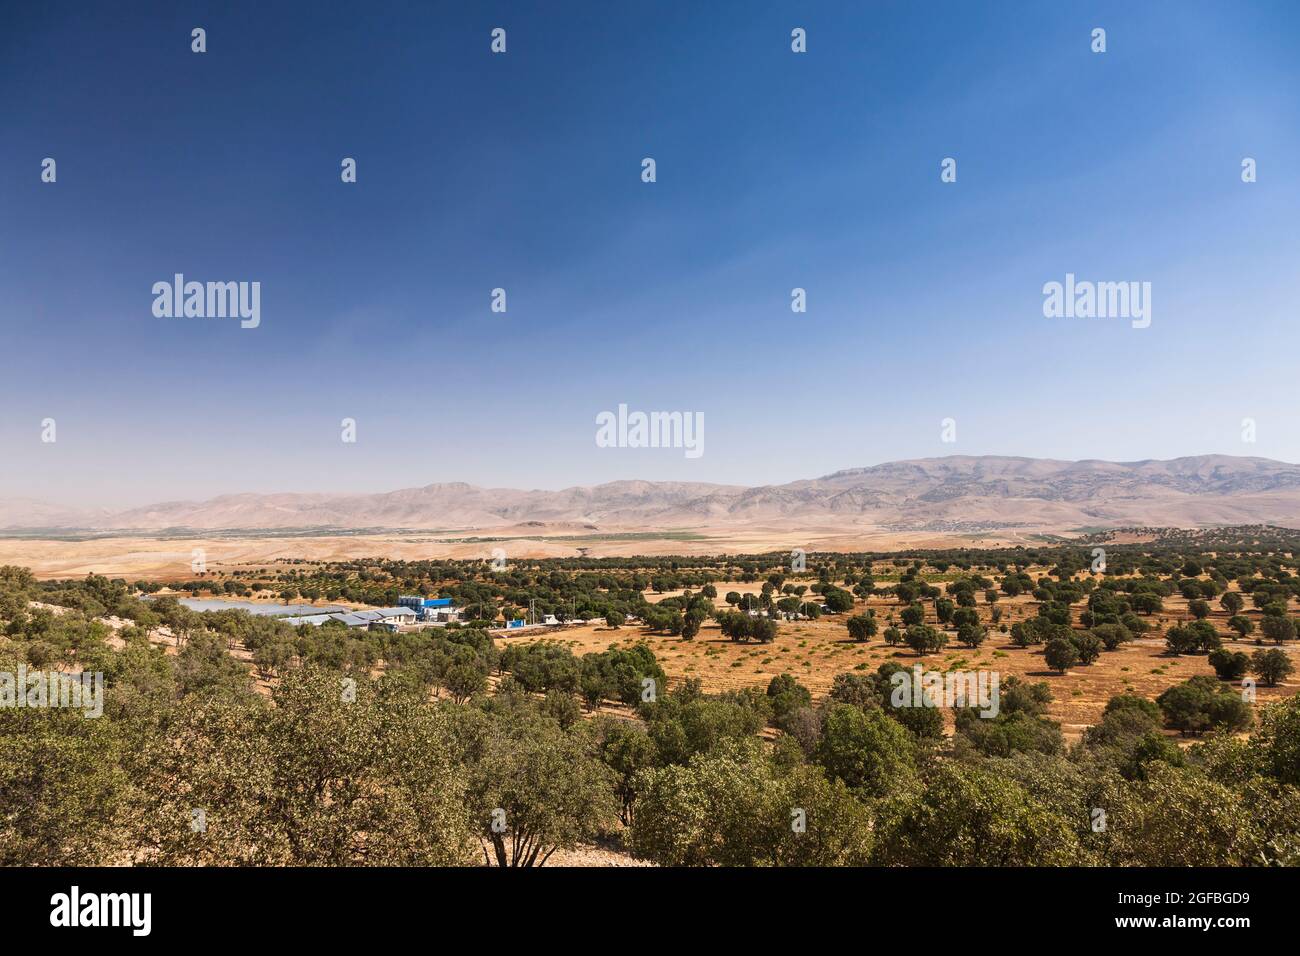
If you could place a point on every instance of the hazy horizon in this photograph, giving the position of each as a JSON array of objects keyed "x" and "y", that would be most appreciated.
[
  {"x": 775, "y": 171},
  {"x": 380, "y": 490}
]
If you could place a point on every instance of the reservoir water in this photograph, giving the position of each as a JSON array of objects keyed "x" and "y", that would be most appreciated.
[{"x": 270, "y": 610}]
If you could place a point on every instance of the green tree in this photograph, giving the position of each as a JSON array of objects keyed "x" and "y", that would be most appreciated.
[
  {"x": 763, "y": 629},
  {"x": 1182, "y": 640},
  {"x": 1176, "y": 817},
  {"x": 837, "y": 601},
  {"x": 63, "y": 785},
  {"x": 1061, "y": 654},
  {"x": 334, "y": 773},
  {"x": 966, "y": 815},
  {"x": 1229, "y": 665},
  {"x": 869, "y": 752},
  {"x": 1241, "y": 624},
  {"x": 1112, "y": 636},
  {"x": 1145, "y": 602},
  {"x": 535, "y": 789},
  {"x": 1273, "y": 665},
  {"x": 925, "y": 639},
  {"x": 733, "y": 808},
  {"x": 1277, "y": 629},
  {"x": 943, "y": 610},
  {"x": 786, "y": 695},
  {"x": 862, "y": 627},
  {"x": 626, "y": 749},
  {"x": 1201, "y": 703},
  {"x": 1088, "y": 646},
  {"x": 1277, "y": 742}
]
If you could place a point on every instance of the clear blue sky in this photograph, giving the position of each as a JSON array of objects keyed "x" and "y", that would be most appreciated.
[{"x": 775, "y": 170}]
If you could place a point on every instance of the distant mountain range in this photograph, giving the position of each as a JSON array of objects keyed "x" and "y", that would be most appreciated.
[{"x": 955, "y": 494}]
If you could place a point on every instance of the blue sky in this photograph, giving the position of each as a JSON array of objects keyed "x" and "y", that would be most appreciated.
[{"x": 522, "y": 171}]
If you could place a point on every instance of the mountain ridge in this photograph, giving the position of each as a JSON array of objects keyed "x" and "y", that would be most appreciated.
[{"x": 946, "y": 493}]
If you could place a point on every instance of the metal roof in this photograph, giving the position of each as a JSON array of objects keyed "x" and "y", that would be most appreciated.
[
  {"x": 316, "y": 620},
  {"x": 351, "y": 620}
]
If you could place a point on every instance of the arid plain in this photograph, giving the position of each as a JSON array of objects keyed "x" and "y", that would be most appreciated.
[{"x": 170, "y": 558}]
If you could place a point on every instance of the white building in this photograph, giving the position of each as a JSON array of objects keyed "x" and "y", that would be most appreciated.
[{"x": 387, "y": 617}]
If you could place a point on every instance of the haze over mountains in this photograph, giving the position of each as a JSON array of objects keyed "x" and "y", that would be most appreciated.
[{"x": 957, "y": 493}]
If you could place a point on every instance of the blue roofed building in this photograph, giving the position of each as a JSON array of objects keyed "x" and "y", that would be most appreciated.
[{"x": 431, "y": 610}]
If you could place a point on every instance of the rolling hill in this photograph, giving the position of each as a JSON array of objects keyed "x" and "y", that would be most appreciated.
[{"x": 957, "y": 493}]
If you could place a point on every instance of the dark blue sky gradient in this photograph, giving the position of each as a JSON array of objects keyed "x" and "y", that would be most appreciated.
[{"x": 775, "y": 170}]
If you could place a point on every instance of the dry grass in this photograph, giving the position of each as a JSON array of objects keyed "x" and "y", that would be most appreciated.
[
  {"x": 169, "y": 559},
  {"x": 815, "y": 651}
]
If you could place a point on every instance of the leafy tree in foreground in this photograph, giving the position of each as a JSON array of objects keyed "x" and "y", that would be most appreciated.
[
  {"x": 964, "y": 815},
  {"x": 332, "y": 775},
  {"x": 1177, "y": 817},
  {"x": 733, "y": 808},
  {"x": 1278, "y": 741},
  {"x": 626, "y": 749},
  {"x": 535, "y": 788},
  {"x": 62, "y": 785},
  {"x": 786, "y": 695},
  {"x": 868, "y": 751}
]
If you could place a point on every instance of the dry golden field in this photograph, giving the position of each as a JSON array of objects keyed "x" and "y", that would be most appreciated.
[
  {"x": 815, "y": 651},
  {"x": 812, "y": 651},
  {"x": 169, "y": 558}
]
